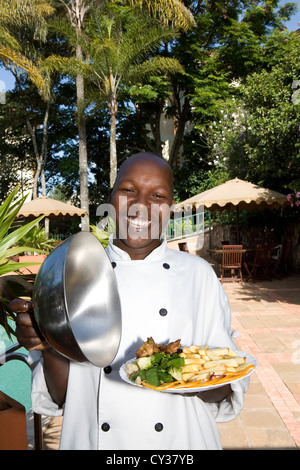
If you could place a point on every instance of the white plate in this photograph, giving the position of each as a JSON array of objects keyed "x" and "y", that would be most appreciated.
[{"x": 249, "y": 359}]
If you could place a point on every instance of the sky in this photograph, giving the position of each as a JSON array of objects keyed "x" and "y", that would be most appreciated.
[{"x": 7, "y": 80}]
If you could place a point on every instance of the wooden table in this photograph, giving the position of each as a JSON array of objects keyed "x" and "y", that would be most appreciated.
[{"x": 219, "y": 251}]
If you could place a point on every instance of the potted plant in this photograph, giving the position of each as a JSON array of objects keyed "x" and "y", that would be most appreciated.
[
  {"x": 12, "y": 284},
  {"x": 103, "y": 232}
]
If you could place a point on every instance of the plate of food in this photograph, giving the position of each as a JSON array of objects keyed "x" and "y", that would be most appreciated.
[{"x": 175, "y": 369}]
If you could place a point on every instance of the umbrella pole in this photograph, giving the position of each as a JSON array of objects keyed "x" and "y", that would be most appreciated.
[
  {"x": 47, "y": 226},
  {"x": 237, "y": 226}
]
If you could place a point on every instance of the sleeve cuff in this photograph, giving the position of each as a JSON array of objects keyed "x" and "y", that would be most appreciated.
[
  {"x": 41, "y": 400},
  {"x": 232, "y": 405}
]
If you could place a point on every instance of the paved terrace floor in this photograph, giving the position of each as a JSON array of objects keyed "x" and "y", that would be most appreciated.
[{"x": 267, "y": 317}]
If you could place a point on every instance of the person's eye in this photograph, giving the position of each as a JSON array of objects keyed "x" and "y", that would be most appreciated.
[
  {"x": 159, "y": 196},
  {"x": 126, "y": 189}
]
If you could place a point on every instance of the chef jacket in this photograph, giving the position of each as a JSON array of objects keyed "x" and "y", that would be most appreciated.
[{"x": 169, "y": 295}]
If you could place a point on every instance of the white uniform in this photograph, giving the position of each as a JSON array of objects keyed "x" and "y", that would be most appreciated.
[{"x": 169, "y": 295}]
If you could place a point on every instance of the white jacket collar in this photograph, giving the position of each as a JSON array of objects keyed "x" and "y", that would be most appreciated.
[{"x": 117, "y": 254}]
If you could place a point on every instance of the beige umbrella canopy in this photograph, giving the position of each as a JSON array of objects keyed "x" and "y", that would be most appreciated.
[
  {"x": 235, "y": 194},
  {"x": 50, "y": 208}
]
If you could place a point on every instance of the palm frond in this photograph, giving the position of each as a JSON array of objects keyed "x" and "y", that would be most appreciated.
[
  {"x": 140, "y": 39},
  {"x": 8, "y": 40},
  {"x": 24, "y": 11},
  {"x": 34, "y": 75},
  {"x": 64, "y": 28},
  {"x": 154, "y": 67},
  {"x": 64, "y": 65},
  {"x": 167, "y": 11}
]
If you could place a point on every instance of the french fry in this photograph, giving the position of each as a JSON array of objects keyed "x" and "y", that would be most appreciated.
[
  {"x": 215, "y": 368},
  {"x": 196, "y": 360},
  {"x": 190, "y": 355},
  {"x": 223, "y": 352},
  {"x": 212, "y": 356},
  {"x": 187, "y": 377},
  {"x": 191, "y": 368},
  {"x": 202, "y": 363},
  {"x": 227, "y": 362},
  {"x": 201, "y": 376}
]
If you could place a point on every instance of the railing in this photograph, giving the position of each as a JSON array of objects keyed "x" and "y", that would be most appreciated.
[
  {"x": 187, "y": 226},
  {"x": 11, "y": 354},
  {"x": 59, "y": 236}
]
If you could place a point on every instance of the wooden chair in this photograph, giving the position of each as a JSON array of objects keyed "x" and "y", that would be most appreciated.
[
  {"x": 183, "y": 247},
  {"x": 231, "y": 262},
  {"x": 280, "y": 262},
  {"x": 284, "y": 258},
  {"x": 260, "y": 267}
]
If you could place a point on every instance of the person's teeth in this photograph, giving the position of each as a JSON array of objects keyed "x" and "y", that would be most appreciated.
[{"x": 139, "y": 222}]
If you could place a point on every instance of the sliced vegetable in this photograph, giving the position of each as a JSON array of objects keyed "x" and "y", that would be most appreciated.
[
  {"x": 175, "y": 372},
  {"x": 158, "y": 369},
  {"x": 151, "y": 375},
  {"x": 164, "y": 377},
  {"x": 145, "y": 362},
  {"x": 176, "y": 362}
]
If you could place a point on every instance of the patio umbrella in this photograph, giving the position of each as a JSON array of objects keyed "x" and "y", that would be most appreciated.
[
  {"x": 50, "y": 208},
  {"x": 235, "y": 194}
]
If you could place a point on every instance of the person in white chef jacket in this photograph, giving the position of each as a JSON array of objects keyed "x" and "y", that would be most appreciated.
[{"x": 164, "y": 293}]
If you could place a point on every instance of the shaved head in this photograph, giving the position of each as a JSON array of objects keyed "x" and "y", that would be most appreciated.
[{"x": 148, "y": 158}]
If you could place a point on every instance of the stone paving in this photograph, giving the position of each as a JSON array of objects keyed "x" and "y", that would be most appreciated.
[{"x": 267, "y": 317}]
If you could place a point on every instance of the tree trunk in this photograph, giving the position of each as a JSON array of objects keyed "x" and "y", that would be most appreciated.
[
  {"x": 37, "y": 157},
  {"x": 44, "y": 148},
  {"x": 113, "y": 147},
  {"x": 113, "y": 109},
  {"x": 36, "y": 180},
  {"x": 155, "y": 126},
  {"x": 179, "y": 132},
  {"x": 41, "y": 157},
  {"x": 83, "y": 159}
]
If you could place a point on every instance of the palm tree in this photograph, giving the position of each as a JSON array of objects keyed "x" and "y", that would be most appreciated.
[
  {"x": 17, "y": 13},
  {"x": 166, "y": 10},
  {"x": 18, "y": 16},
  {"x": 24, "y": 25},
  {"x": 76, "y": 12},
  {"x": 120, "y": 46}
]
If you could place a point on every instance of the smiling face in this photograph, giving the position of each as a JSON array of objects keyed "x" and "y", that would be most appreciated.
[{"x": 142, "y": 197}]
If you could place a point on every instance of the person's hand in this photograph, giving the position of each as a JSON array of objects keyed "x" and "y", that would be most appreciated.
[
  {"x": 214, "y": 395},
  {"x": 27, "y": 331}
]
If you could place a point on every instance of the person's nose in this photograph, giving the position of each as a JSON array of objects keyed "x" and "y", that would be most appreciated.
[{"x": 140, "y": 205}]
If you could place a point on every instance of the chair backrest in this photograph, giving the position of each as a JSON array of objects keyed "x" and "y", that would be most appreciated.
[
  {"x": 263, "y": 255},
  {"x": 232, "y": 255},
  {"x": 183, "y": 247},
  {"x": 286, "y": 249}
]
